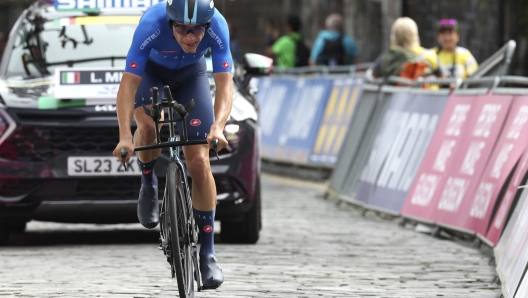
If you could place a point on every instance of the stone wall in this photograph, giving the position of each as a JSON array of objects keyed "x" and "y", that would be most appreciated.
[
  {"x": 368, "y": 21},
  {"x": 484, "y": 24}
]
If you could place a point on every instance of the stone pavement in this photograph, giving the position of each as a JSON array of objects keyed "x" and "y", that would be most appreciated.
[{"x": 308, "y": 248}]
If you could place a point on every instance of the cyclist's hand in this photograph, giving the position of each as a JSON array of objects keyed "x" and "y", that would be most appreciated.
[
  {"x": 124, "y": 144},
  {"x": 216, "y": 133}
]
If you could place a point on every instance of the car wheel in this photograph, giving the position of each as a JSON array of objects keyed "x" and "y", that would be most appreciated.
[
  {"x": 8, "y": 228},
  {"x": 4, "y": 237},
  {"x": 247, "y": 230}
]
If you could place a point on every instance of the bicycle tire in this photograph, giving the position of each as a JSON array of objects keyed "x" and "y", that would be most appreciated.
[{"x": 179, "y": 226}]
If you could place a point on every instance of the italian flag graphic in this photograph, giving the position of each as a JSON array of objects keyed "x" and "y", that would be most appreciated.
[{"x": 71, "y": 78}]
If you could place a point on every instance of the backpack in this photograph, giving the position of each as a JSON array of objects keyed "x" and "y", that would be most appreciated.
[
  {"x": 333, "y": 52},
  {"x": 402, "y": 63},
  {"x": 302, "y": 53}
]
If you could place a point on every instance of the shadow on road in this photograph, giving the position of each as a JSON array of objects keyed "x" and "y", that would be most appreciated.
[
  {"x": 44, "y": 238},
  {"x": 47, "y": 238}
]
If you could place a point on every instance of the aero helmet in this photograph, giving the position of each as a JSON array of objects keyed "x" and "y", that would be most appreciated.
[{"x": 190, "y": 11}]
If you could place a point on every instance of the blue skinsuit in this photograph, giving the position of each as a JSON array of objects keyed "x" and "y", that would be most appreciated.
[{"x": 158, "y": 58}]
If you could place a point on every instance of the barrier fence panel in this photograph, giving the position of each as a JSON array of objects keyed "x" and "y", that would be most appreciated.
[
  {"x": 423, "y": 196},
  {"x": 522, "y": 292},
  {"x": 336, "y": 121},
  {"x": 500, "y": 219},
  {"x": 365, "y": 146},
  {"x": 291, "y": 112},
  {"x": 508, "y": 150},
  {"x": 511, "y": 253},
  {"x": 412, "y": 132},
  {"x": 486, "y": 120},
  {"x": 356, "y": 130},
  {"x": 385, "y": 137}
]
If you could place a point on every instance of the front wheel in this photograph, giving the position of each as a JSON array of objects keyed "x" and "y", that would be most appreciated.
[{"x": 182, "y": 260}]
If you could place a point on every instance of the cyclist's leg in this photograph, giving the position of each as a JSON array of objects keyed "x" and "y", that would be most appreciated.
[
  {"x": 196, "y": 86},
  {"x": 153, "y": 76},
  {"x": 148, "y": 211}
]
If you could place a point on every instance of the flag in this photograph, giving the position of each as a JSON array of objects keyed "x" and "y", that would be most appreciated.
[{"x": 70, "y": 78}]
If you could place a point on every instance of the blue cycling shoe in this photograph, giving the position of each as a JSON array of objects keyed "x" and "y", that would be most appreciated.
[
  {"x": 148, "y": 206},
  {"x": 212, "y": 276}
]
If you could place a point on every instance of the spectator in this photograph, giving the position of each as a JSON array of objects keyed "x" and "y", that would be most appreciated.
[
  {"x": 405, "y": 47},
  {"x": 332, "y": 46},
  {"x": 456, "y": 62},
  {"x": 234, "y": 45},
  {"x": 289, "y": 49}
]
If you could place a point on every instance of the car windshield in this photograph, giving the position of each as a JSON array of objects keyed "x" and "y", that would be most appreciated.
[{"x": 90, "y": 41}]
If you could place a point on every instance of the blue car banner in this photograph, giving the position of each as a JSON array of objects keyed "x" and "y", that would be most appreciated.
[
  {"x": 336, "y": 120},
  {"x": 290, "y": 116}
]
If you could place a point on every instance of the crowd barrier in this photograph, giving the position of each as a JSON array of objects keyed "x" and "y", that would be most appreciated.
[
  {"x": 305, "y": 121},
  {"x": 452, "y": 159}
]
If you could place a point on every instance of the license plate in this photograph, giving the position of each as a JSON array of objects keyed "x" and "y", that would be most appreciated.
[{"x": 101, "y": 166}]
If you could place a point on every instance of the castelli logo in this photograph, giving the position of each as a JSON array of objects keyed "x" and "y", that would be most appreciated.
[
  {"x": 195, "y": 122},
  {"x": 133, "y": 65},
  {"x": 208, "y": 229},
  {"x": 147, "y": 172},
  {"x": 225, "y": 65}
]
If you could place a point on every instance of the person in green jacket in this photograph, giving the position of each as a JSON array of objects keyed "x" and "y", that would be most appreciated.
[{"x": 284, "y": 49}]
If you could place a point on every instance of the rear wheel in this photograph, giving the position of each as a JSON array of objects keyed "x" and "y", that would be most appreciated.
[
  {"x": 182, "y": 260},
  {"x": 247, "y": 230}
]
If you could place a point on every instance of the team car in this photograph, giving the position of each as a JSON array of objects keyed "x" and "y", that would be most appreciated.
[{"x": 58, "y": 80}]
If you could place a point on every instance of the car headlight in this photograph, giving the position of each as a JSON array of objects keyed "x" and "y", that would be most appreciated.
[
  {"x": 232, "y": 128},
  {"x": 233, "y": 133}
]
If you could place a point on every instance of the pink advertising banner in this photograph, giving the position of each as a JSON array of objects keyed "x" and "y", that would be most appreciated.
[
  {"x": 508, "y": 150},
  {"x": 455, "y": 193},
  {"x": 447, "y": 140},
  {"x": 499, "y": 220}
]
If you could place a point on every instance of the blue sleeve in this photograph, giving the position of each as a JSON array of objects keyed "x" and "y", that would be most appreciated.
[
  {"x": 317, "y": 48},
  {"x": 146, "y": 32},
  {"x": 218, "y": 34},
  {"x": 350, "y": 47}
]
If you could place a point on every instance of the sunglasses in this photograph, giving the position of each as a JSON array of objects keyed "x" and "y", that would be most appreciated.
[
  {"x": 184, "y": 30},
  {"x": 448, "y": 23}
]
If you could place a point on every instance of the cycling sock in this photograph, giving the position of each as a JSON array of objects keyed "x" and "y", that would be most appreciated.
[
  {"x": 205, "y": 221},
  {"x": 148, "y": 178}
]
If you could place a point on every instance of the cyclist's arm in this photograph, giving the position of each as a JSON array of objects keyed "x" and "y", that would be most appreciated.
[
  {"x": 125, "y": 103},
  {"x": 222, "y": 67},
  {"x": 223, "y": 100},
  {"x": 135, "y": 63}
]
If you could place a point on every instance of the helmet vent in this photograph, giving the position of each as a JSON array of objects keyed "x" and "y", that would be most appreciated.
[{"x": 191, "y": 9}]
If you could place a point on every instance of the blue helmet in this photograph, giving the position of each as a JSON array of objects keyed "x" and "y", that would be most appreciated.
[{"x": 190, "y": 11}]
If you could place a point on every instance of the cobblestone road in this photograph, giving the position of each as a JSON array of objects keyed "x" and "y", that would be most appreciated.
[{"x": 308, "y": 248}]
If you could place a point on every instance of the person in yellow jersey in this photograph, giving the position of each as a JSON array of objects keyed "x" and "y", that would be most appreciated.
[{"x": 456, "y": 62}]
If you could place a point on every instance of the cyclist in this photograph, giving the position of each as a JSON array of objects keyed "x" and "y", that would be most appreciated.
[{"x": 168, "y": 49}]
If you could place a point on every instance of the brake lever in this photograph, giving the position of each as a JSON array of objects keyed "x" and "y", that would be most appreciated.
[
  {"x": 215, "y": 144},
  {"x": 124, "y": 154}
]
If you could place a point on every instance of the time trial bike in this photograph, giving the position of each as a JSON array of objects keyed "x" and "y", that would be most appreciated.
[{"x": 178, "y": 229}]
